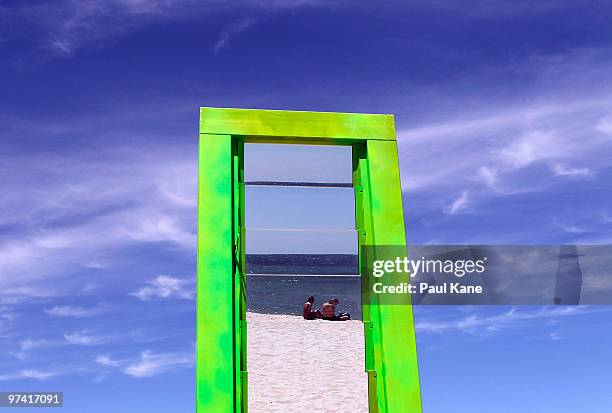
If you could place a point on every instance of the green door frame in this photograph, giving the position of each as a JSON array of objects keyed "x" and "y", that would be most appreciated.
[{"x": 221, "y": 370}]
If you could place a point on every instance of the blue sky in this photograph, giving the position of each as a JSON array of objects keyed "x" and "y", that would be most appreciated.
[{"x": 504, "y": 121}]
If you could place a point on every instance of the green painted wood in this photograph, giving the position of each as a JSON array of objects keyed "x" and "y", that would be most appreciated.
[
  {"x": 240, "y": 343},
  {"x": 295, "y": 126},
  {"x": 363, "y": 223},
  {"x": 393, "y": 335},
  {"x": 215, "y": 375}
]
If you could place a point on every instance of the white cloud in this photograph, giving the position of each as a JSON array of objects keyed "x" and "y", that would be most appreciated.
[
  {"x": 505, "y": 117},
  {"x": 86, "y": 338},
  {"x": 501, "y": 144},
  {"x": 509, "y": 149},
  {"x": 152, "y": 364},
  {"x": 107, "y": 361},
  {"x": 78, "y": 338},
  {"x": 458, "y": 204},
  {"x": 101, "y": 211},
  {"x": 36, "y": 374},
  {"x": 28, "y": 374},
  {"x": 476, "y": 324},
  {"x": 556, "y": 335},
  {"x": 69, "y": 25},
  {"x": 604, "y": 125},
  {"x": 482, "y": 10},
  {"x": 164, "y": 286},
  {"x": 230, "y": 32},
  {"x": 488, "y": 175},
  {"x": 28, "y": 344},
  {"x": 572, "y": 229},
  {"x": 529, "y": 148},
  {"x": 7, "y": 316},
  {"x": 148, "y": 363},
  {"x": 563, "y": 170},
  {"x": 72, "y": 311}
]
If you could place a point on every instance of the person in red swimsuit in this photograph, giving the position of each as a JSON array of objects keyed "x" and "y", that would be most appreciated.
[{"x": 308, "y": 313}]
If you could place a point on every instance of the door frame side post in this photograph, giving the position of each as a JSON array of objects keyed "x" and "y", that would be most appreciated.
[
  {"x": 363, "y": 225},
  {"x": 215, "y": 376},
  {"x": 240, "y": 324},
  {"x": 394, "y": 340}
]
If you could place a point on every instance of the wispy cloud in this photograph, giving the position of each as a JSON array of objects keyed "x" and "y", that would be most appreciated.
[
  {"x": 66, "y": 26},
  {"x": 72, "y": 311},
  {"x": 28, "y": 344},
  {"x": 514, "y": 318},
  {"x": 572, "y": 172},
  {"x": 488, "y": 175},
  {"x": 504, "y": 142},
  {"x": 75, "y": 338},
  {"x": 572, "y": 228},
  {"x": 509, "y": 151},
  {"x": 164, "y": 286},
  {"x": 604, "y": 125},
  {"x": 149, "y": 364},
  {"x": 459, "y": 204},
  {"x": 69, "y": 25},
  {"x": 86, "y": 338},
  {"x": 230, "y": 32},
  {"x": 54, "y": 222},
  {"x": 106, "y": 360},
  {"x": 504, "y": 151},
  {"x": 7, "y": 316},
  {"x": 529, "y": 148},
  {"x": 556, "y": 335},
  {"x": 498, "y": 9},
  {"x": 152, "y": 364},
  {"x": 34, "y": 374}
]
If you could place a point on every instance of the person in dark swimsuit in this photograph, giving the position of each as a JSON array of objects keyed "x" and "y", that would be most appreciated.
[{"x": 308, "y": 313}]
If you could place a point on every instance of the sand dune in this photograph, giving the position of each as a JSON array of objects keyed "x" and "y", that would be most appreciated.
[{"x": 295, "y": 364}]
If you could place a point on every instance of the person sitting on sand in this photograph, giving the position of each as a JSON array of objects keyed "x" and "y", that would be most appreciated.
[
  {"x": 329, "y": 311},
  {"x": 308, "y": 313}
]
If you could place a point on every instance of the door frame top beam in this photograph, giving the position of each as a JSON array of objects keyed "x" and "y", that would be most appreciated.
[{"x": 278, "y": 126}]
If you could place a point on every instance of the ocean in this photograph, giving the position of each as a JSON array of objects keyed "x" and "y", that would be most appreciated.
[{"x": 281, "y": 283}]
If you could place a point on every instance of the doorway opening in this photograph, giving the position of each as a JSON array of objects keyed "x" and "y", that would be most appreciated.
[{"x": 301, "y": 241}]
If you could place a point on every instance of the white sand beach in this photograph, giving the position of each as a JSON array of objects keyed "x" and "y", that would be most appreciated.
[{"x": 296, "y": 364}]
